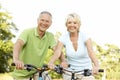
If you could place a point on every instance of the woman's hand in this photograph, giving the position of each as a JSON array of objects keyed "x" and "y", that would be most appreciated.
[{"x": 95, "y": 70}]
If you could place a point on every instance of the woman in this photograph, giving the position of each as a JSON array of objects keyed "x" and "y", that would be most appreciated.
[{"x": 79, "y": 51}]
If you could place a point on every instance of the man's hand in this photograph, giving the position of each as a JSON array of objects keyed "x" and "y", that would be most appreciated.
[
  {"x": 51, "y": 65},
  {"x": 19, "y": 64}
]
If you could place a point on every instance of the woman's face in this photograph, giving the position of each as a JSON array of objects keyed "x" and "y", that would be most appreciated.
[{"x": 72, "y": 25}]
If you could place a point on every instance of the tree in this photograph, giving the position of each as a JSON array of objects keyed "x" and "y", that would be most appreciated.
[
  {"x": 6, "y": 44},
  {"x": 109, "y": 56}
]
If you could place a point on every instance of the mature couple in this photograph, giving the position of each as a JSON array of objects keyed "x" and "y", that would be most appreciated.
[{"x": 32, "y": 45}]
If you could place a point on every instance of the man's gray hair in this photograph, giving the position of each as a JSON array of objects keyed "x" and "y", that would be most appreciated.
[{"x": 46, "y": 12}]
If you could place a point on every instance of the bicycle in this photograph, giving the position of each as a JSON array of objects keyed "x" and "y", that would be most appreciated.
[
  {"x": 44, "y": 68},
  {"x": 85, "y": 72}
]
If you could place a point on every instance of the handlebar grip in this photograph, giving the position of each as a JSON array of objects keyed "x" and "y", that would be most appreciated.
[
  {"x": 101, "y": 70},
  {"x": 68, "y": 65},
  {"x": 13, "y": 64}
]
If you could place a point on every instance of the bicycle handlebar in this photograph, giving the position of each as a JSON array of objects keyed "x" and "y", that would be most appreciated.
[
  {"x": 59, "y": 69},
  {"x": 29, "y": 67},
  {"x": 86, "y": 72}
]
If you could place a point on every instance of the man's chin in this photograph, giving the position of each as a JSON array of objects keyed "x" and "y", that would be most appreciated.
[{"x": 43, "y": 30}]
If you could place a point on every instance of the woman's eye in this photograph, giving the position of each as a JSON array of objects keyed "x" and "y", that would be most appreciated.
[{"x": 75, "y": 22}]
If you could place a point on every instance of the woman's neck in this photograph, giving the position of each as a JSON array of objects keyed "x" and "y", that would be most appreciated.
[{"x": 74, "y": 34}]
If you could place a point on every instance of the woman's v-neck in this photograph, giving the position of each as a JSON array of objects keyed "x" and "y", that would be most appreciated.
[{"x": 75, "y": 50}]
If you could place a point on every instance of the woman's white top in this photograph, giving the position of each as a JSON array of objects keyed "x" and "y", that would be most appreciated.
[{"x": 78, "y": 60}]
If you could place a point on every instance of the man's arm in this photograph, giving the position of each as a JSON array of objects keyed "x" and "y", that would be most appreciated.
[
  {"x": 16, "y": 51},
  {"x": 58, "y": 54}
]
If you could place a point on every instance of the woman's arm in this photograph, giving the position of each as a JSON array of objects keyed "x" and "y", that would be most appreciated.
[{"x": 92, "y": 55}]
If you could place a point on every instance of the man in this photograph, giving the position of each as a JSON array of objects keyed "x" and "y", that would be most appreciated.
[{"x": 32, "y": 45}]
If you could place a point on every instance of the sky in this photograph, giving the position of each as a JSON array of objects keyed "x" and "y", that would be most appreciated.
[{"x": 100, "y": 18}]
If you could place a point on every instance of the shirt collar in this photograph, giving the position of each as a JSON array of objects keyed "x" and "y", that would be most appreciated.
[{"x": 36, "y": 33}]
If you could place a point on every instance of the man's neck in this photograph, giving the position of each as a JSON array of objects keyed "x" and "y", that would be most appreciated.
[{"x": 41, "y": 33}]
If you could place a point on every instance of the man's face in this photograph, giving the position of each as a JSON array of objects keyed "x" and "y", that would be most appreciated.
[{"x": 44, "y": 22}]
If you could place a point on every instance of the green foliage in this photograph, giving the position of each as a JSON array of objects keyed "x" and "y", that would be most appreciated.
[
  {"x": 5, "y": 55},
  {"x": 5, "y": 26},
  {"x": 6, "y": 45},
  {"x": 109, "y": 56}
]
